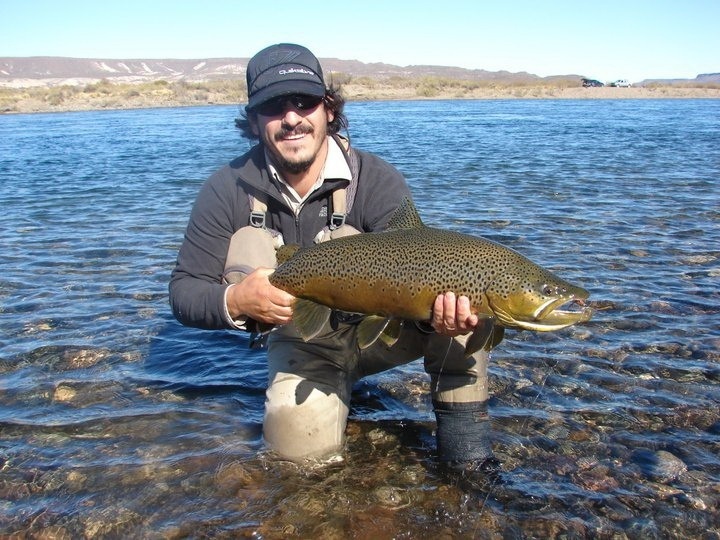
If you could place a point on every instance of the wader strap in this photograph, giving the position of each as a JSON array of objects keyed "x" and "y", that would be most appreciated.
[
  {"x": 257, "y": 212},
  {"x": 339, "y": 209},
  {"x": 343, "y": 198},
  {"x": 354, "y": 164},
  {"x": 355, "y": 174}
]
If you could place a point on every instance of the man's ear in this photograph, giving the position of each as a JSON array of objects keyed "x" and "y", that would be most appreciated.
[{"x": 328, "y": 109}]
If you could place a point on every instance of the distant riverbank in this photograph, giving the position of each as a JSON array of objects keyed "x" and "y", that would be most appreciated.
[{"x": 107, "y": 95}]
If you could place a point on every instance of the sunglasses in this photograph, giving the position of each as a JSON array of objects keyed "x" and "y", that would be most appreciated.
[{"x": 276, "y": 106}]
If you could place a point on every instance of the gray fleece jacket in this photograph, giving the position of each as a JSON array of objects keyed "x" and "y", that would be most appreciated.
[{"x": 197, "y": 293}]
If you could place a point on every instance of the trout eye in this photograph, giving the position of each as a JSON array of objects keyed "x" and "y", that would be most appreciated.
[{"x": 547, "y": 290}]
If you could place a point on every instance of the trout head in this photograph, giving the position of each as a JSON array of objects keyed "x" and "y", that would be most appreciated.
[{"x": 531, "y": 298}]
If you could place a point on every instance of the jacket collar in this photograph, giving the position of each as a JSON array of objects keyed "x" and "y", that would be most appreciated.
[{"x": 253, "y": 170}]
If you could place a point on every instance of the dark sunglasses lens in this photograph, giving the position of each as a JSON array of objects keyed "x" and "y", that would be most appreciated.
[
  {"x": 277, "y": 106},
  {"x": 270, "y": 108},
  {"x": 305, "y": 102}
]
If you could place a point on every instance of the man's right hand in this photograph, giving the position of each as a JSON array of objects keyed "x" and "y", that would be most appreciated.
[{"x": 257, "y": 298}]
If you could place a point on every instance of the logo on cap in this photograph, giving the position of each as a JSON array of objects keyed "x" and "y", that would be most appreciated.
[{"x": 296, "y": 70}]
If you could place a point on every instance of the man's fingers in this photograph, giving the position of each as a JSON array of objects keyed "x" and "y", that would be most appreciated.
[
  {"x": 449, "y": 315},
  {"x": 464, "y": 316},
  {"x": 274, "y": 295},
  {"x": 261, "y": 300},
  {"x": 452, "y": 315}
]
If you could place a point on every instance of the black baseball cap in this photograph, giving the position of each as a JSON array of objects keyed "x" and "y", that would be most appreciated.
[{"x": 280, "y": 70}]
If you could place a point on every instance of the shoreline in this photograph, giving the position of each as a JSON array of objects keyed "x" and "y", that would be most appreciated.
[{"x": 104, "y": 95}]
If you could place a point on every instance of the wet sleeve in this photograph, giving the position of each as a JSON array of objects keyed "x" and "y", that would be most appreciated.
[{"x": 197, "y": 293}]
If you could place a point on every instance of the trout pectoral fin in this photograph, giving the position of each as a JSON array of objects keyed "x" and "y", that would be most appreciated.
[
  {"x": 370, "y": 329},
  {"x": 487, "y": 335},
  {"x": 392, "y": 331},
  {"x": 309, "y": 318}
]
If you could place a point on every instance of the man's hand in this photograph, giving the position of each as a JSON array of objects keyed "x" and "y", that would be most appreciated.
[
  {"x": 257, "y": 298},
  {"x": 452, "y": 316}
]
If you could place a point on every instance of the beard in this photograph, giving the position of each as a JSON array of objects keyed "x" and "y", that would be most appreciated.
[
  {"x": 293, "y": 163},
  {"x": 293, "y": 166}
]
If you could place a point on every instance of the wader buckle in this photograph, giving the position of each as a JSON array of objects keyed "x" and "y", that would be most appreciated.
[
  {"x": 257, "y": 219},
  {"x": 337, "y": 220}
]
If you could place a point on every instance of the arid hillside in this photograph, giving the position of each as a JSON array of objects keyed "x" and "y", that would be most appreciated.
[{"x": 48, "y": 84}]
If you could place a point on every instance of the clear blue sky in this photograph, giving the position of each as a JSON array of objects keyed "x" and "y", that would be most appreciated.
[{"x": 603, "y": 39}]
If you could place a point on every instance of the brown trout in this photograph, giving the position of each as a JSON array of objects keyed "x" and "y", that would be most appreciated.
[{"x": 395, "y": 276}]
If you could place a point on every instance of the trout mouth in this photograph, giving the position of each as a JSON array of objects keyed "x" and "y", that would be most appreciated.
[
  {"x": 558, "y": 313},
  {"x": 552, "y": 314}
]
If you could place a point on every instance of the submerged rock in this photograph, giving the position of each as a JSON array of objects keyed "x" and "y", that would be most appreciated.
[{"x": 660, "y": 466}]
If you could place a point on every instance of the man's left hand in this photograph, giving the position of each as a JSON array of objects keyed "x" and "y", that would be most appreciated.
[{"x": 452, "y": 316}]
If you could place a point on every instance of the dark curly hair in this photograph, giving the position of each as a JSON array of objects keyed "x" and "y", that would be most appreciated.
[{"x": 333, "y": 100}]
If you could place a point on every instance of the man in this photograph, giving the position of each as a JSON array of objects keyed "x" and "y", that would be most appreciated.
[{"x": 285, "y": 189}]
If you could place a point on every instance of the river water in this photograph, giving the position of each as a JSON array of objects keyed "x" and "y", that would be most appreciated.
[{"x": 116, "y": 421}]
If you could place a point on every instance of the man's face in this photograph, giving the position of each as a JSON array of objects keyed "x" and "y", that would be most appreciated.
[{"x": 293, "y": 129}]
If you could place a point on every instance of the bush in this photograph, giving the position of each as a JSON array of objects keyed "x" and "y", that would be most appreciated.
[{"x": 338, "y": 78}]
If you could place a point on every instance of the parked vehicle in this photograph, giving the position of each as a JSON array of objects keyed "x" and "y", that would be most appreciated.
[
  {"x": 621, "y": 83},
  {"x": 591, "y": 82}
]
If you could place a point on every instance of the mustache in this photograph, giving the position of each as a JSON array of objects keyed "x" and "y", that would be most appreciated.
[{"x": 289, "y": 132}]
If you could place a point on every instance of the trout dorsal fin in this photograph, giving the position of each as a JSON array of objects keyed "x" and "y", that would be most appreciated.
[{"x": 405, "y": 217}]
